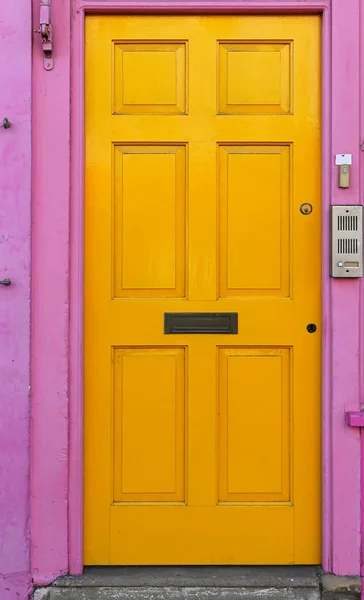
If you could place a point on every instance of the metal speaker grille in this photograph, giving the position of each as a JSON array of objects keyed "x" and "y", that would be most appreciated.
[
  {"x": 347, "y": 223},
  {"x": 346, "y": 241},
  {"x": 347, "y": 246}
]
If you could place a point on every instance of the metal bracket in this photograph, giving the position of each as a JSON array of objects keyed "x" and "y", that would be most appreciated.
[
  {"x": 355, "y": 419},
  {"x": 46, "y": 33}
]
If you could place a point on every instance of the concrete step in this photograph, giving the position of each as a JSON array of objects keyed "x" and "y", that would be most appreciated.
[{"x": 201, "y": 583}]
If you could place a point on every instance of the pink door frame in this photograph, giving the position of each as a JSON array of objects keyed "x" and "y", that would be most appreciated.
[{"x": 57, "y": 357}]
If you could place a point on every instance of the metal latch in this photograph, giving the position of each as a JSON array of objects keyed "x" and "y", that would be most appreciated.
[{"x": 46, "y": 33}]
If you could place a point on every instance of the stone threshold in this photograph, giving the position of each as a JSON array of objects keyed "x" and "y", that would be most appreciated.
[{"x": 202, "y": 583}]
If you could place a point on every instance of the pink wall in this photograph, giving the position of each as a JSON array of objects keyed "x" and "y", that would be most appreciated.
[
  {"x": 15, "y": 221},
  {"x": 56, "y": 510}
]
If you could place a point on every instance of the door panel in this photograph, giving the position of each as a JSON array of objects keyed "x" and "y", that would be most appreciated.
[
  {"x": 249, "y": 470},
  {"x": 202, "y": 142},
  {"x": 245, "y": 229},
  {"x": 155, "y": 268}
]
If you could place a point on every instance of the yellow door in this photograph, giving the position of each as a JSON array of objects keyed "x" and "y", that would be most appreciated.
[{"x": 202, "y": 431}]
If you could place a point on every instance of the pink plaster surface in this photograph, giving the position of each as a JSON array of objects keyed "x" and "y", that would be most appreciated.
[
  {"x": 57, "y": 481},
  {"x": 50, "y": 304},
  {"x": 15, "y": 222}
]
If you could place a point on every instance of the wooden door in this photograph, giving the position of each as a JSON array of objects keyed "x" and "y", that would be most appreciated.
[{"x": 202, "y": 143}]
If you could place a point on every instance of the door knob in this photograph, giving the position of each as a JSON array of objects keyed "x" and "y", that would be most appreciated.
[{"x": 5, "y": 282}]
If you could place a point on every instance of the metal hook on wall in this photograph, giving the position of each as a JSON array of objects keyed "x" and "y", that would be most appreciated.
[{"x": 46, "y": 33}]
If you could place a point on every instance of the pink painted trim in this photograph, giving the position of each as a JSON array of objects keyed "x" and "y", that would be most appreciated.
[
  {"x": 355, "y": 419},
  {"x": 77, "y": 215},
  {"x": 326, "y": 300},
  {"x": 50, "y": 302},
  {"x": 209, "y": 6},
  {"x": 75, "y": 521},
  {"x": 50, "y": 401},
  {"x": 361, "y": 188}
]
